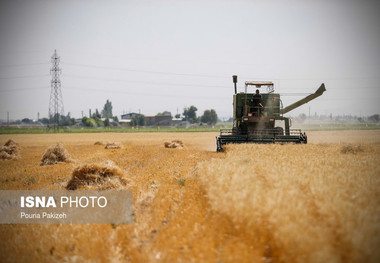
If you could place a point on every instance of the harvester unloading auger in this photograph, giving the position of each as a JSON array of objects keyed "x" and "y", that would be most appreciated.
[{"x": 255, "y": 115}]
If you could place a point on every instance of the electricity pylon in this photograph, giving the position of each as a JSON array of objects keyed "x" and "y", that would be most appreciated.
[{"x": 56, "y": 101}]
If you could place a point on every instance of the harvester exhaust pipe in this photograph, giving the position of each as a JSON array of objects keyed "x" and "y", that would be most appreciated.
[{"x": 234, "y": 78}]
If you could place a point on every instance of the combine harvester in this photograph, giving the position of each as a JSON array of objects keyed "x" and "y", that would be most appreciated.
[{"x": 255, "y": 116}]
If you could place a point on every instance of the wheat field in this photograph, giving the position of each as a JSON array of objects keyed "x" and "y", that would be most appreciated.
[
  {"x": 310, "y": 203},
  {"x": 318, "y": 202}
]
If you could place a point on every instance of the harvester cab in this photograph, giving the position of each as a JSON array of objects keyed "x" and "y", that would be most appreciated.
[{"x": 255, "y": 114}]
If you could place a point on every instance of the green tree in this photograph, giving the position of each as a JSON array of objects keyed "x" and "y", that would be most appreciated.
[
  {"x": 96, "y": 114},
  {"x": 165, "y": 113},
  {"x": 26, "y": 120},
  {"x": 90, "y": 122},
  {"x": 107, "y": 110},
  {"x": 44, "y": 120},
  {"x": 138, "y": 120},
  {"x": 84, "y": 120},
  {"x": 210, "y": 117},
  {"x": 374, "y": 118},
  {"x": 190, "y": 114},
  {"x": 66, "y": 120},
  {"x": 98, "y": 121},
  {"x": 107, "y": 122},
  {"x": 116, "y": 119}
]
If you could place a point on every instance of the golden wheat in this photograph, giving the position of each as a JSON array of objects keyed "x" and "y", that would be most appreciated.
[{"x": 309, "y": 203}]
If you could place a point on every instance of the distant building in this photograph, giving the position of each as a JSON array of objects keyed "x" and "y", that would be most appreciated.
[
  {"x": 176, "y": 121},
  {"x": 124, "y": 122},
  {"x": 129, "y": 116},
  {"x": 126, "y": 119},
  {"x": 150, "y": 120},
  {"x": 161, "y": 119}
]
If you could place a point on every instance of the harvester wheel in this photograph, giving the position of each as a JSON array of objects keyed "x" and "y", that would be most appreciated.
[{"x": 219, "y": 147}]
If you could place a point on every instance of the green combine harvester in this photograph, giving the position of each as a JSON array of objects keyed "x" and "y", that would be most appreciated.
[{"x": 255, "y": 115}]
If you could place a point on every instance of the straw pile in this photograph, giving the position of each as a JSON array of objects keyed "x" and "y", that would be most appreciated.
[
  {"x": 55, "y": 154},
  {"x": 174, "y": 144},
  {"x": 113, "y": 145},
  {"x": 352, "y": 149},
  {"x": 97, "y": 177},
  {"x": 9, "y": 151}
]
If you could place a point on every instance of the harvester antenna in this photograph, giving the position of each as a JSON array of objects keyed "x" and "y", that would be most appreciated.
[{"x": 56, "y": 101}]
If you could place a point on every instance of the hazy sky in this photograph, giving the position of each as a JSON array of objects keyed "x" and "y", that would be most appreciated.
[{"x": 164, "y": 55}]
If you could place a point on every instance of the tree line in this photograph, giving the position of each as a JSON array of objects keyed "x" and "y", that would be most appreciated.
[
  {"x": 209, "y": 116},
  {"x": 105, "y": 118}
]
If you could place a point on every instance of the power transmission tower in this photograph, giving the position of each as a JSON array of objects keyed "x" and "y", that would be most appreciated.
[{"x": 56, "y": 101}]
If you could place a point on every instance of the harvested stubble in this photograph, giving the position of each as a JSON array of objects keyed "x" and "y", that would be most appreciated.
[
  {"x": 307, "y": 203},
  {"x": 97, "y": 177},
  {"x": 113, "y": 145},
  {"x": 55, "y": 154},
  {"x": 9, "y": 151},
  {"x": 174, "y": 144}
]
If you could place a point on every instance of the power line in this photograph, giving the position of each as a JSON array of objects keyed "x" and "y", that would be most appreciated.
[
  {"x": 194, "y": 85},
  {"x": 146, "y": 94},
  {"x": 144, "y": 71},
  {"x": 184, "y": 95},
  {"x": 23, "y": 65},
  {"x": 199, "y": 59},
  {"x": 22, "y": 89},
  {"x": 209, "y": 76},
  {"x": 25, "y": 77},
  {"x": 146, "y": 82},
  {"x": 132, "y": 93},
  {"x": 329, "y": 78}
]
